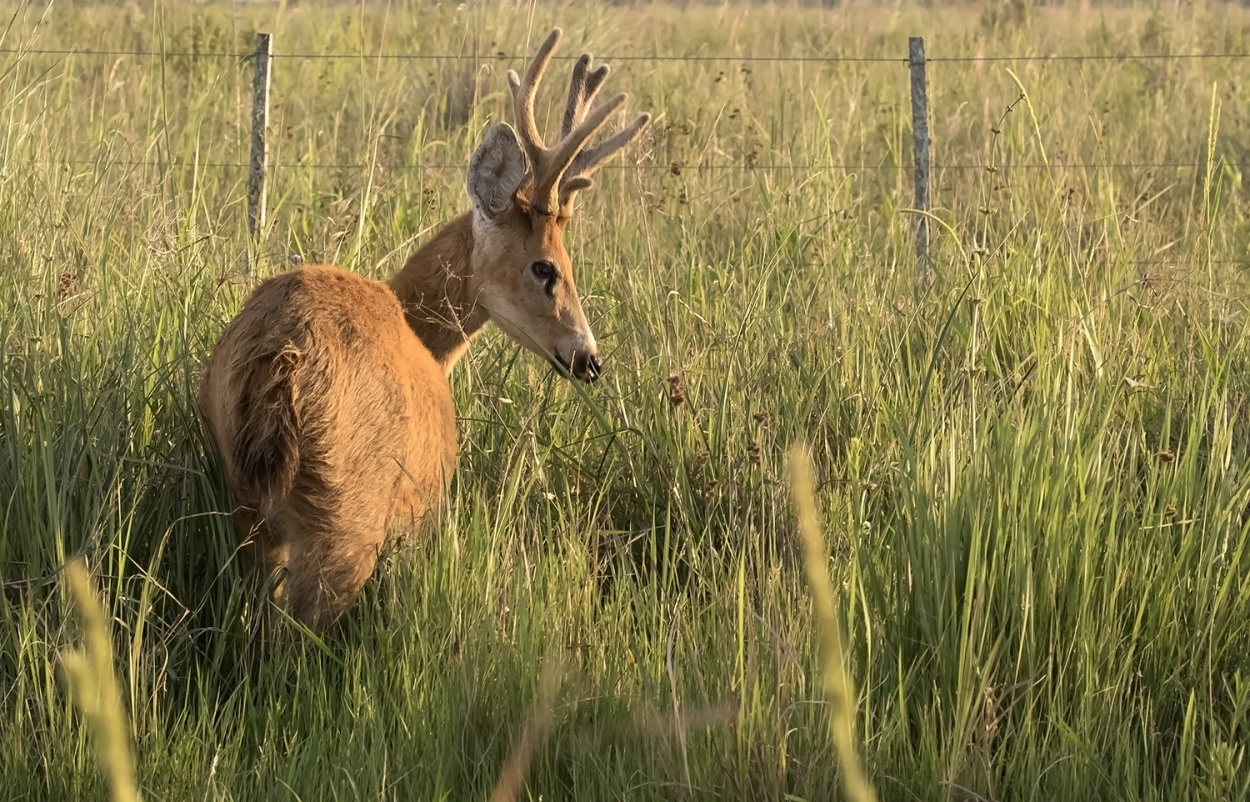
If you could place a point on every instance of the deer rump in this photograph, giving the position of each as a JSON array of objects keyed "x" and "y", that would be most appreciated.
[{"x": 334, "y": 424}]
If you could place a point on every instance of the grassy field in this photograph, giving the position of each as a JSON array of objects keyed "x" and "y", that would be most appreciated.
[{"x": 1031, "y": 474}]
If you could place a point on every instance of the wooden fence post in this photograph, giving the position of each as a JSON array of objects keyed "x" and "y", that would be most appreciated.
[
  {"x": 920, "y": 138},
  {"x": 260, "y": 150}
]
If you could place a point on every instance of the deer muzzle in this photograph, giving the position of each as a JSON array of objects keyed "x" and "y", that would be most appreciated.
[{"x": 584, "y": 366}]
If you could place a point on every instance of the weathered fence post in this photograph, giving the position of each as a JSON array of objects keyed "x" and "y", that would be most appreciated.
[
  {"x": 920, "y": 136},
  {"x": 260, "y": 150}
]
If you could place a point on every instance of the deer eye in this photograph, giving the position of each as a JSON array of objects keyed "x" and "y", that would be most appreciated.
[{"x": 546, "y": 273}]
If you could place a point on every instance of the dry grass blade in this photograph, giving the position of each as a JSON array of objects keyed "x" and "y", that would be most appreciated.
[
  {"x": 838, "y": 684},
  {"x": 659, "y": 725},
  {"x": 94, "y": 685},
  {"x": 537, "y": 725}
]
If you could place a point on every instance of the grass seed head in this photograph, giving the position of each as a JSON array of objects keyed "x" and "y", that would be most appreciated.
[{"x": 676, "y": 390}]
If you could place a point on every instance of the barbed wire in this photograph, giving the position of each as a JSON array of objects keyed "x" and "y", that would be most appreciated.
[
  {"x": 20, "y": 51},
  {"x": 607, "y": 58},
  {"x": 1180, "y": 260},
  {"x": 1090, "y": 57},
  {"x": 676, "y": 168},
  {"x": 687, "y": 58}
]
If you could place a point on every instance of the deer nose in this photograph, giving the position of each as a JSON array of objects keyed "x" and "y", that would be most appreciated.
[{"x": 587, "y": 367}]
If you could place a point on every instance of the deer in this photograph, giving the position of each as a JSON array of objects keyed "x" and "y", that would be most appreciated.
[{"x": 327, "y": 397}]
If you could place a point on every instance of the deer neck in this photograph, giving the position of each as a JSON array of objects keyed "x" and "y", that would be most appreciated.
[{"x": 437, "y": 290}]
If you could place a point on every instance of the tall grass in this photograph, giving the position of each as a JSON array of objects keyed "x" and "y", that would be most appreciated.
[
  {"x": 1031, "y": 473},
  {"x": 90, "y": 672}
]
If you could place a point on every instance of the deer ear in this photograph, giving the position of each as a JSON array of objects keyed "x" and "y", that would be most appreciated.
[{"x": 496, "y": 170}]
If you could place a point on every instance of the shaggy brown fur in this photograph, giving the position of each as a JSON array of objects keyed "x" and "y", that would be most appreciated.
[
  {"x": 333, "y": 422},
  {"x": 327, "y": 396}
]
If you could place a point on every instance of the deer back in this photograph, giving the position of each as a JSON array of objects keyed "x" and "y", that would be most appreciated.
[{"x": 317, "y": 376}]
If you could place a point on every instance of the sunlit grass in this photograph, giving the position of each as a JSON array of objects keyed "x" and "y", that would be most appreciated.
[
  {"x": 90, "y": 672},
  {"x": 1030, "y": 474}
]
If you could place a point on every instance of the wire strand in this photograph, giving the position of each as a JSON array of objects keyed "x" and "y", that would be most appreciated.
[
  {"x": 689, "y": 58},
  {"x": 675, "y": 169}
]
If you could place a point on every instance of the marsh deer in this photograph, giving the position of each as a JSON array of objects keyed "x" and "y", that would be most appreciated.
[{"x": 328, "y": 397}]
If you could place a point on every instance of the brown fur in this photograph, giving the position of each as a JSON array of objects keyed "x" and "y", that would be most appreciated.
[
  {"x": 327, "y": 396},
  {"x": 333, "y": 422}
]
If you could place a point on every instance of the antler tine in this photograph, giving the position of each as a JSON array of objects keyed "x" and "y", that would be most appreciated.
[
  {"x": 588, "y": 161},
  {"x": 582, "y": 90},
  {"x": 559, "y": 159},
  {"x": 523, "y": 98},
  {"x": 577, "y": 177}
]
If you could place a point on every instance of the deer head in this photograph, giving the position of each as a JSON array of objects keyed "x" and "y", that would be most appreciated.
[{"x": 522, "y": 193}]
